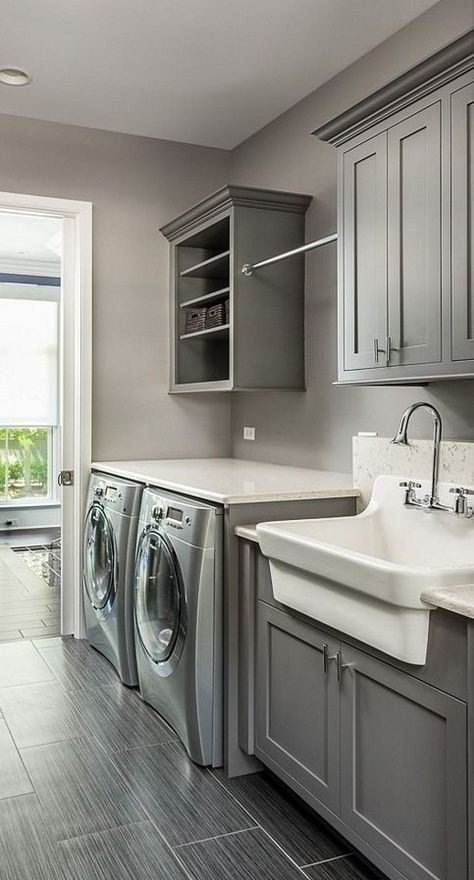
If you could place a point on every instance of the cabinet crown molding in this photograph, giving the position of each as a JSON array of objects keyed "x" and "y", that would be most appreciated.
[
  {"x": 229, "y": 196},
  {"x": 431, "y": 73}
]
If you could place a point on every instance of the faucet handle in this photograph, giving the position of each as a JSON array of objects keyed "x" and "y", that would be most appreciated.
[
  {"x": 460, "y": 490},
  {"x": 460, "y": 505},
  {"x": 410, "y": 485}
]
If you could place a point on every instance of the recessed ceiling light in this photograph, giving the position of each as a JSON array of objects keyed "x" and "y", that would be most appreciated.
[{"x": 14, "y": 76}]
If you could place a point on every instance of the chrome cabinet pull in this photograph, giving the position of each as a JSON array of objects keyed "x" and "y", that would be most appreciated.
[
  {"x": 327, "y": 657},
  {"x": 340, "y": 666},
  {"x": 390, "y": 348},
  {"x": 377, "y": 350}
]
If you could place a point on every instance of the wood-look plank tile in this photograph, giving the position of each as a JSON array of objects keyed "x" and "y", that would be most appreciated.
[
  {"x": 186, "y": 802},
  {"x": 134, "y": 852},
  {"x": 27, "y": 612},
  {"x": 38, "y": 714},
  {"x": 19, "y": 623},
  {"x": 119, "y": 719},
  {"x": 349, "y": 868},
  {"x": 14, "y": 779},
  {"x": 300, "y": 832},
  {"x": 79, "y": 668},
  {"x": 20, "y": 663},
  {"x": 25, "y": 850},
  {"x": 250, "y": 855},
  {"x": 80, "y": 790}
]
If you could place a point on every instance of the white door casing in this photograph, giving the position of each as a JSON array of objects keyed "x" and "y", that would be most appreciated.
[{"x": 76, "y": 383}]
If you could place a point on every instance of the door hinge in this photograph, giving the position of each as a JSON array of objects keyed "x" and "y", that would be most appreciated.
[{"x": 66, "y": 478}]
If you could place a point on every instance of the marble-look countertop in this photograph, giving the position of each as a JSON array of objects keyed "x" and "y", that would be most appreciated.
[
  {"x": 458, "y": 599},
  {"x": 232, "y": 480}
]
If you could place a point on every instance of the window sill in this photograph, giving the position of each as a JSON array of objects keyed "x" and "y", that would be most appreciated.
[{"x": 29, "y": 502}]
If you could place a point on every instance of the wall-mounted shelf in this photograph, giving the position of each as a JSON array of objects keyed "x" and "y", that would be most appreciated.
[
  {"x": 262, "y": 344},
  {"x": 206, "y": 299},
  {"x": 221, "y": 331},
  {"x": 216, "y": 266}
]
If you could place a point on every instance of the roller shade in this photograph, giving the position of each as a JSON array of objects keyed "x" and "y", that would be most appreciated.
[{"x": 28, "y": 363}]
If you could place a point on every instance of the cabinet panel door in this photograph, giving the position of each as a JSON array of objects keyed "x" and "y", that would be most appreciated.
[
  {"x": 462, "y": 219},
  {"x": 364, "y": 220},
  {"x": 297, "y": 703},
  {"x": 404, "y": 757},
  {"x": 414, "y": 238}
]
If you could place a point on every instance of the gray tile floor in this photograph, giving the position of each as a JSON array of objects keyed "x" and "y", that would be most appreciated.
[
  {"x": 94, "y": 785},
  {"x": 29, "y": 604}
]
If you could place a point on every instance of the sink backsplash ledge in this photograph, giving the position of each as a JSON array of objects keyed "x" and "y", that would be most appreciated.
[{"x": 373, "y": 456}]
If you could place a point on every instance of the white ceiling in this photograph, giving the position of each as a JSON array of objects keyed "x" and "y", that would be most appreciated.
[
  {"x": 201, "y": 71},
  {"x": 26, "y": 240}
]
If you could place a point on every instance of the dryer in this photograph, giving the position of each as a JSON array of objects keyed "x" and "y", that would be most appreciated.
[
  {"x": 110, "y": 533},
  {"x": 178, "y": 618}
]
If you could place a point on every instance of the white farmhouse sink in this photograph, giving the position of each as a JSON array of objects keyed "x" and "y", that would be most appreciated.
[{"x": 364, "y": 574}]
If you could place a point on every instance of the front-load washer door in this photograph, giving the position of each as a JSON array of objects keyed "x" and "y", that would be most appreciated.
[
  {"x": 159, "y": 601},
  {"x": 99, "y": 559}
]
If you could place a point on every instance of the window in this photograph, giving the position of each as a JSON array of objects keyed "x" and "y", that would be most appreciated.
[{"x": 26, "y": 470}]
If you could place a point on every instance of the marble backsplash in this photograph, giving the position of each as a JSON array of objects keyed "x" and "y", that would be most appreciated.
[{"x": 372, "y": 456}]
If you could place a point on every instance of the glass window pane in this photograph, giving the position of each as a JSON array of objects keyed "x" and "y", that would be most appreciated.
[{"x": 27, "y": 462}]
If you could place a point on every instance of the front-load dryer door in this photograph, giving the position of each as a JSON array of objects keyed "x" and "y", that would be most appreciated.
[
  {"x": 99, "y": 559},
  {"x": 159, "y": 601}
]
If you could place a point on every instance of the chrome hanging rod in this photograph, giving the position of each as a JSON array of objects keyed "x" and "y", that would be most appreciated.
[{"x": 249, "y": 269}]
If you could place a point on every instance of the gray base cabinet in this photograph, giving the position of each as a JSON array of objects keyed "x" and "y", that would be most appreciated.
[
  {"x": 382, "y": 750},
  {"x": 293, "y": 683},
  {"x": 403, "y": 768}
]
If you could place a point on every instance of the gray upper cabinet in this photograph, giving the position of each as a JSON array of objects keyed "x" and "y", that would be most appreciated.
[
  {"x": 364, "y": 175},
  {"x": 405, "y": 248},
  {"x": 462, "y": 221},
  {"x": 248, "y": 331}
]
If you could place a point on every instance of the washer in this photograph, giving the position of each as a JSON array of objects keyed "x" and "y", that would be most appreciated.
[
  {"x": 110, "y": 534},
  {"x": 178, "y": 618}
]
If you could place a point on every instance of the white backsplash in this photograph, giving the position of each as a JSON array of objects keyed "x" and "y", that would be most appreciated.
[{"x": 372, "y": 456}]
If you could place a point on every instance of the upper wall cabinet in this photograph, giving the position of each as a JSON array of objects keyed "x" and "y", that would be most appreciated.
[
  {"x": 405, "y": 225},
  {"x": 229, "y": 331}
]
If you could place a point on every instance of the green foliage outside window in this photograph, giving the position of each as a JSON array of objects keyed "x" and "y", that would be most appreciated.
[{"x": 24, "y": 463}]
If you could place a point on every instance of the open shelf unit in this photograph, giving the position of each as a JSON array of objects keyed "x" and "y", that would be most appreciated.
[{"x": 261, "y": 345}]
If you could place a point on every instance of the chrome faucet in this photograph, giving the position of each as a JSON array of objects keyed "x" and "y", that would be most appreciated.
[{"x": 431, "y": 501}]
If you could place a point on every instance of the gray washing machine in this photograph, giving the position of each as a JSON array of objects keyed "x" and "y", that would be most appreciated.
[
  {"x": 110, "y": 534},
  {"x": 178, "y": 618}
]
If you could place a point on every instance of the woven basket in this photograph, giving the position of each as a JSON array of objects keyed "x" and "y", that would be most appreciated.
[
  {"x": 194, "y": 320},
  {"x": 215, "y": 316}
]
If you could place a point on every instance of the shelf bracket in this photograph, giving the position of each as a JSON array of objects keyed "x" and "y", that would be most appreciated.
[{"x": 248, "y": 269}]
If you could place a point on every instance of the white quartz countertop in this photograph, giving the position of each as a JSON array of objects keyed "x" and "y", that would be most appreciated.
[
  {"x": 233, "y": 480},
  {"x": 458, "y": 599}
]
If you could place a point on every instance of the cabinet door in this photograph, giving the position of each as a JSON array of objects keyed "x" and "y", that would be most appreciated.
[
  {"x": 462, "y": 219},
  {"x": 297, "y": 703},
  {"x": 403, "y": 768},
  {"x": 414, "y": 238},
  {"x": 364, "y": 222}
]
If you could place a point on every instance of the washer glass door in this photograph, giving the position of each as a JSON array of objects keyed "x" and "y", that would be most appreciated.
[
  {"x": 158, "y": 608},
  {"x": 99, "y": 558}
]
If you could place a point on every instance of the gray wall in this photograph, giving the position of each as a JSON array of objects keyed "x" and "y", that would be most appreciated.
[
  {"x": 135, "y": 184},
  {"x": 315, "y": 428}
]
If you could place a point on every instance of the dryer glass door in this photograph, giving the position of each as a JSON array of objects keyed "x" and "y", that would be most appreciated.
[
  {"x": 99, "y": 558},
  {"x": 158, "y": 597}
]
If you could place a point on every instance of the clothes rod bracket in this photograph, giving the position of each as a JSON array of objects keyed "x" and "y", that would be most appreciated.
[{"x": 248, "y": 269}]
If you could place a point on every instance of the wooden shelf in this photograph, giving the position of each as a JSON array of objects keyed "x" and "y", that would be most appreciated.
[
  {"x": 206, "y": 298},
  {"x": 222, "y": 330},
  {"x": 214, "y": 267}
]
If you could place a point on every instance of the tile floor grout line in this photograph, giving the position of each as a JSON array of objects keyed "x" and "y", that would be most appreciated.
[
  {"x": 216, "y": 837},
  {"x": 293, "y": 862},
  {"x": 325, "y": 861},
  {"x": 102, "y": 830}
]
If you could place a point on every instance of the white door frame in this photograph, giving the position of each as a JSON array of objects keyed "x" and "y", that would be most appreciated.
[{"x": 76, "y": 282}]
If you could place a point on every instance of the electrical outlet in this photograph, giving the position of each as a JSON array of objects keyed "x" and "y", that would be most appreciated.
[{"x": 249, "y": 433}]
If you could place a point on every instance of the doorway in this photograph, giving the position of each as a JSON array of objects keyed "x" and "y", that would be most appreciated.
[{"x": 45, "y": 390}]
